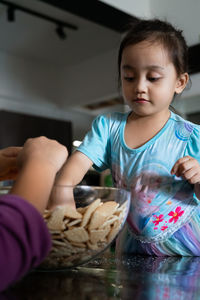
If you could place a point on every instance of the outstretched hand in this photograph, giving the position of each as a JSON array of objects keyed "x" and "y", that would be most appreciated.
[
  {"x": 39, "y": 161},
  {"x": 188, "y": 168},
  {"x": 43, "y": 150}
]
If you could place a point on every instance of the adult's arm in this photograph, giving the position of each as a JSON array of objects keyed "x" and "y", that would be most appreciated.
[{"x": 24, "y": 239}]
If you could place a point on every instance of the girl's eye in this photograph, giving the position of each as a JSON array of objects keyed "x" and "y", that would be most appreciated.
[
  {"x": 153, "y": 79},
  {"x": 128, "y": 78}
]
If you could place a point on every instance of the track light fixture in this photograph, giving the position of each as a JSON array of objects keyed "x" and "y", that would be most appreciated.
[
  {"x": 60, "y": 32},
  {"x": 10, "y": 14},
  {"x": 60, "y": 25}
]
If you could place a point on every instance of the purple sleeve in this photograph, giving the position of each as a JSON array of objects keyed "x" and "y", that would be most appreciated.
[{"x": 24, "y": 239}]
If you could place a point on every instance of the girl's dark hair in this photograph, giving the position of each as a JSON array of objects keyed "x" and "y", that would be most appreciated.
[{"x": 158, "y": 31}]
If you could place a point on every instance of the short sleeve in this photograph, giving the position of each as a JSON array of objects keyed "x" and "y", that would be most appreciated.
[
  {"x": 96, "y": 144},
  {"x": 193, "y": 146}
]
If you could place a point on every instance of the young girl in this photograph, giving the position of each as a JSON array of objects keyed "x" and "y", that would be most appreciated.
[{"x": 150, "y": 150}]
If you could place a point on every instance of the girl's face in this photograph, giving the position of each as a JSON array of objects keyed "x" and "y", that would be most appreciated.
[{"x": 149, "y": 79}]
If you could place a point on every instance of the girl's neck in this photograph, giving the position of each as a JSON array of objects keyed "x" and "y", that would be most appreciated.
[
  {"x": 154, "y": 120},
  {"x": 146, "y": 128}
]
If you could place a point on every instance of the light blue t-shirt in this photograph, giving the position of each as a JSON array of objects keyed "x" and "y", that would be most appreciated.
[{"x": 160, "y": 203}]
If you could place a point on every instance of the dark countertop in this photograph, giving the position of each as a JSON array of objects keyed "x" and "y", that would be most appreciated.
[{"x": 134, "y": 277}]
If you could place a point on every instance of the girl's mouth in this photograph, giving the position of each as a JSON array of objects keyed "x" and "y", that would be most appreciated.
[{"x": 141, "y": 100}]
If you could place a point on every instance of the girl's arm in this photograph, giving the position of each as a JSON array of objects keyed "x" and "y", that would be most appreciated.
[
  {"x": 71, "y": 174},
  {"x": 74, "y": 169}
]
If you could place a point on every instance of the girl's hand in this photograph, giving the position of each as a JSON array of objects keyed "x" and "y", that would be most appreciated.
[
  {"x": 188, "y": 168},
  {"x": 61, "y": 195}
]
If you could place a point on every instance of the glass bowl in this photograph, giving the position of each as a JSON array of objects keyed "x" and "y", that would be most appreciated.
[{"x": 82, "y": 232}]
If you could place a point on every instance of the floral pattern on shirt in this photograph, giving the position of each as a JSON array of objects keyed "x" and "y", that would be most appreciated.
[
  {"x": 175, "y": 215},
  {"x": 158, "y": 219}
]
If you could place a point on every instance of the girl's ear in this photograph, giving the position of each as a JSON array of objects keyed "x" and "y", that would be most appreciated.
[{"x": 181, "y": 83}]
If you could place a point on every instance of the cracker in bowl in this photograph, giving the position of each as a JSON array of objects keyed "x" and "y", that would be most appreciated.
[{"x": 78, "y": 235}]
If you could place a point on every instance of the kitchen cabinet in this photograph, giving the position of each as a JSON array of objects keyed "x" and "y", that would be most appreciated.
[{"x": 17, "y": 127}]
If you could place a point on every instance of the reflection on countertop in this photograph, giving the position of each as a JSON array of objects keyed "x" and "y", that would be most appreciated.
[{"x": 133, "y": 277}]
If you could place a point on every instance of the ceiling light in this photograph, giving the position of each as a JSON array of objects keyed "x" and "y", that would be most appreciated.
[
  {"x": 60, "y": 32},
  {"x": 10, "y": 14},
  {"x": 12, "y": 7},
  {"x": 76, "y": 143}
]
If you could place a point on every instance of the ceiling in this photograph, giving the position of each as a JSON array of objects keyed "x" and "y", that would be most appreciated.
[
  {"x": 95, "y": 11},
  {"x": 99, "y": 30}
]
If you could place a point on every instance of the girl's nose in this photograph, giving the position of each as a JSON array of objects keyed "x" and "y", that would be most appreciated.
[{"x": 141, "y": 86}]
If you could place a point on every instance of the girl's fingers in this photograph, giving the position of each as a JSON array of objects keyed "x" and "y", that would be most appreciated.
[
  {"x": 188, "y": 168},
  {"x": 11, "y": 151},
  {"x": 194, "y": 179},
  {"x": 191, "y": 173},
  {"x": 178, "y": 163}
]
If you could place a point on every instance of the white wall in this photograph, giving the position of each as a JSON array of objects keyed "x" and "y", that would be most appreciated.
[
  {"x": 40, "y": 89},
  {"x": 31, "y": 87},
  {"x": 182, "y": 13},
  {"x": 24, "y": 80},
  {"x": 132, "y": 7},
  {"x": 90, "y": 81}
]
